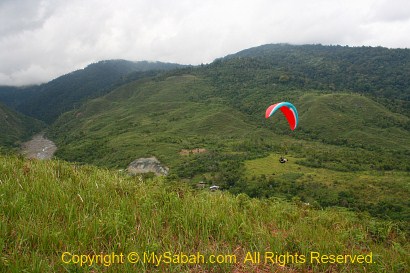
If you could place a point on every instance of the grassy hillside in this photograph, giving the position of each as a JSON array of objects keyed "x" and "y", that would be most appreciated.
[
  {"x": 352, "y": 120},
  {"x": 51, "y": 211},
  {"x": 15, "y": 127}
]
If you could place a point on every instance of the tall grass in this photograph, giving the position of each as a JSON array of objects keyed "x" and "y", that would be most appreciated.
[{"x": 48, "y": 208}]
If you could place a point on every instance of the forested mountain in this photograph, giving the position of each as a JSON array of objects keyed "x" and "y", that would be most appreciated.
[
  {"x": 15, "y": 127},
  {"x": 369, "y": 70},
  {"x": 47, "y": 101}
]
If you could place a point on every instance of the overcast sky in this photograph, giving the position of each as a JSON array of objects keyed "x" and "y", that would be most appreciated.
[{"x": 43, "y": 39}]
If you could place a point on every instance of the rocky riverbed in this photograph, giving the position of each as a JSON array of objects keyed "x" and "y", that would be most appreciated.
[{"x": 39, "y": 147}]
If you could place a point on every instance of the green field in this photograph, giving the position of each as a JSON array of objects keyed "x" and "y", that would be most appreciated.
[{"x": 383, "y": 193}]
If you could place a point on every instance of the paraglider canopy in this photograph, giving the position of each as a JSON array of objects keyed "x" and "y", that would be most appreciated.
[{"x": 288, "y": 109}]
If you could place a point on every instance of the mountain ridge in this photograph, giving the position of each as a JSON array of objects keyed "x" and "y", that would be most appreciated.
[
  {"x": 47, "y": 101},
  {"x": 369, "y": 70}
]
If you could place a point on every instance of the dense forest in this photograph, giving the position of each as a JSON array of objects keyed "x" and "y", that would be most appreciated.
[{"x": 376, "y": 71}]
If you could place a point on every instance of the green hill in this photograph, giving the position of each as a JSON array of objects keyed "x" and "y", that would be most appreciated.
[
  {"x": 163, "y": 116},
  {"x": 149, "y": 117},
  {"x": 47, "y": 101},
  {"x": 352, "y": 120},
  {"x": 51, "y": 212},
  {"x": 15, "y": 127}
]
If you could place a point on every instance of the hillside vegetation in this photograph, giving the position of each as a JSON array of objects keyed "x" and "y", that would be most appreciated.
[
  {"x": 15, "y": 128},
  {"x": 375, "y": 71},
  {"x": 179, "y": 112},
  {"x": 145, "y": 118},
  {"x": 51, "y": 211}
]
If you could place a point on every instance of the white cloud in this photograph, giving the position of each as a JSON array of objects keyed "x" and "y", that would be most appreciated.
[{"x": 40, "y": 40}]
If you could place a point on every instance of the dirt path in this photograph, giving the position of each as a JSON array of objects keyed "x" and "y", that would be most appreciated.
[{"x": 38, "y": 147}]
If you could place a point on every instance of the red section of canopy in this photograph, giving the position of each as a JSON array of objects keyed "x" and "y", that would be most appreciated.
[{"x": 290, "y": 116}]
